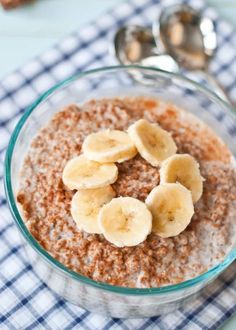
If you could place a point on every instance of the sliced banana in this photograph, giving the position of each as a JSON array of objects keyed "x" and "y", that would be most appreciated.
[
  {"x": 81, "y": 173},
  {"x": 153, "y": 143},
  {"x": 171, "y": 206},
  {"x": 85, "y": 206},
  {"x": 125, "y": 221},
  {"x": 109, "y": 146},
  {"x": 183, "y": 168}
]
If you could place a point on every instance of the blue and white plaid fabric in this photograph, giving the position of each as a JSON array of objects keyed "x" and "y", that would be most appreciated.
[{"x": 25, "y": 301}]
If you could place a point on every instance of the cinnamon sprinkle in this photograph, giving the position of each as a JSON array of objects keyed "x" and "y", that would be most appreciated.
[{"x": 155, "y": 262}]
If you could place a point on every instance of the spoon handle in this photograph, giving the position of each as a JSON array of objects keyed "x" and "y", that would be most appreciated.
[{"x": 217, "y": 88}]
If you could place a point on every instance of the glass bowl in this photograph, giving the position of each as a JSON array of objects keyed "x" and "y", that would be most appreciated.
[{"x": 107, "y": 82}]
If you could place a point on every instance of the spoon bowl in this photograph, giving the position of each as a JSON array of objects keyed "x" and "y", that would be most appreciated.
[
  {"x": 187, "y": 36},
  {"x": 133, "y": 43},
  {"x": 190, "y": 38},
  {"x": 136, "y": 45}
]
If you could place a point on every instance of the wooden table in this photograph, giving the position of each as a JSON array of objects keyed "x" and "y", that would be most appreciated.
[{"x": 28, "y": 31}]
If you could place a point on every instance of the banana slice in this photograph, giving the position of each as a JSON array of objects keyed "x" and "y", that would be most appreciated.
[
  {"x": 109, "y": 146},
  {"x": 184, "y": 169},
  {"x": 125, "y": 221},
  {"x": 81, "y": 173},
  {"x": 171, "y": 206},
  {"x": 153, "y": 143},
  {"x": 85, "y": 206}
]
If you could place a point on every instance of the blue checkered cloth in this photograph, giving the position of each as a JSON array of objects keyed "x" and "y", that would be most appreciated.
[{"x": 25, "y": 301}]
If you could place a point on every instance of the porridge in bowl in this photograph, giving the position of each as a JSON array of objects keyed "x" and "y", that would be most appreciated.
[{"x": 153, "y": 255}]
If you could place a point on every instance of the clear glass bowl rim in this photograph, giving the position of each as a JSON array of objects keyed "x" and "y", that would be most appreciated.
[{"x": 43, "y": 253}]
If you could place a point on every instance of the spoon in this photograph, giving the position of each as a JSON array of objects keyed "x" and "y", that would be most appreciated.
[
  {"x": 190, "y": 39},
  {"x": 136, "y": 45}
]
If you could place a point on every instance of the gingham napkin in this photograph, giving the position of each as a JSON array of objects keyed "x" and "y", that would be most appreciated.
[{"x": 25, "y": 301}]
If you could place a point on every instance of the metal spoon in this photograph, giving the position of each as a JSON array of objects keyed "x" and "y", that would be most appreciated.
[
  {"x": 190, "y": 39},
  {"x": 136, "y": 45}
]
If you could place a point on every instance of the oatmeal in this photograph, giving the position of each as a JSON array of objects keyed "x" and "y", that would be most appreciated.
[{"x": 45, "y": 201}]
